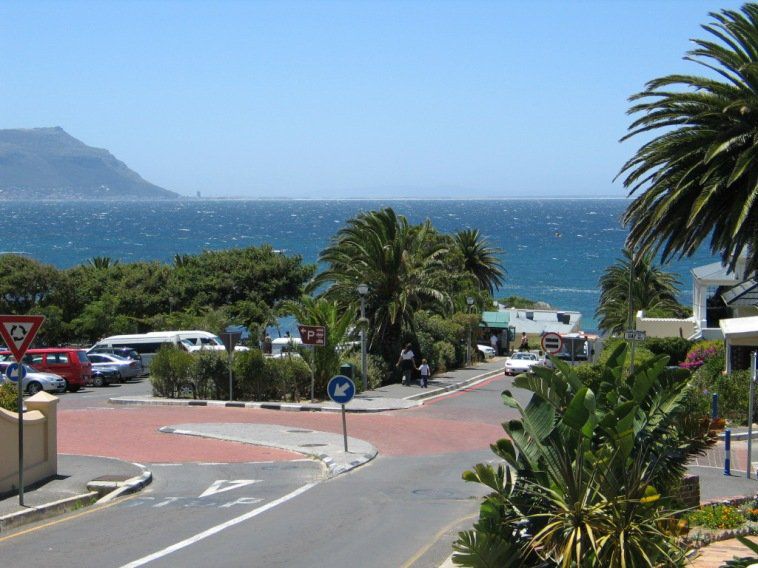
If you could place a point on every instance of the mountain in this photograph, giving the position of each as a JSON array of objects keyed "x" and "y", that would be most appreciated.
[{"x": 49, "y": 163}]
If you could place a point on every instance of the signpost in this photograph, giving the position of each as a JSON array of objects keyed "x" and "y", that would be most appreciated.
[
  {"x": 18, "y": 333},
  {"x": 312, "y": 334},
  {"x": 230, "y": 339},
  {"x": 341, "y": 389},
  {"x": 552, "y": 343}
]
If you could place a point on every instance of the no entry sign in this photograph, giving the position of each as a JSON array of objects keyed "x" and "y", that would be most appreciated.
[{"x": 552, "y": 343}]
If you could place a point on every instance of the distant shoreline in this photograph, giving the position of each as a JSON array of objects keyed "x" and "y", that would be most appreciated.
[{"x": 186, "y": 199}]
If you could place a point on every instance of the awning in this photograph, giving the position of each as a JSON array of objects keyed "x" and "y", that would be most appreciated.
[{"x": 495, "y": 320}]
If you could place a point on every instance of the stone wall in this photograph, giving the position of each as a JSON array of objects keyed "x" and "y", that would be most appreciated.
[{"x": 40, "y": 442}]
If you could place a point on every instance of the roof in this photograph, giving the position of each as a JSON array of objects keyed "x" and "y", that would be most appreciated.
[
  {"x": 495, "y": 320},
  {"x": 716, "y": 273},
  {"x": 744, "y": 294},
  {"x": 737, "y": 327}
]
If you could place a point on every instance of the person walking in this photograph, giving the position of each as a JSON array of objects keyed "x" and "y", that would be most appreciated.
[
  {"x": 524, "y": 345},
  {"x": 494, "y": 342},
  {"x": 406, "y": 364},
  {"x": 425, "y": 372}
]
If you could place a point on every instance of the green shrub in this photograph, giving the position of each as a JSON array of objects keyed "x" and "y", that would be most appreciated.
[
  {"x": 252, "y": 380},
  {"x": 374, "y": 370},
  {"x": 170, "y": 371},
  {"x": 733, "y": 391},
  {"x": 9, "y": 396},
  {"x": 641, "y": 354},
  {"x": 717, "y": 517},
  {"x": 210, "y": 375},
  {"x": 675, "y": 347},
  {"x": 290, "y": 377}
]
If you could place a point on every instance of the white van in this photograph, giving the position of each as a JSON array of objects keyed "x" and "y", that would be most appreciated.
[
  {"x": 146, "y": 344},
  {"x": 197, "y": 340}
]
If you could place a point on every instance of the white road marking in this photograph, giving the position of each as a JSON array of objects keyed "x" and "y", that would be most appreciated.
[
  {"x": 218, "y": 528},
  {"x": 218, "y": 485}
]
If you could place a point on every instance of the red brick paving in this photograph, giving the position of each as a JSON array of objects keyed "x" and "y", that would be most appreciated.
[{"x": 132, "y": 433}]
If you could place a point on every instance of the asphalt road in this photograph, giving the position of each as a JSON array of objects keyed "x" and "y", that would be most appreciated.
[{"x": 402, "y": 509}]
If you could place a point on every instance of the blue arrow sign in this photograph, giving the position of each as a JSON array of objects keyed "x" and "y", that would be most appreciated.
[
  {"x": 14, "y": 370},
  {"x": 341, "y": 389}
]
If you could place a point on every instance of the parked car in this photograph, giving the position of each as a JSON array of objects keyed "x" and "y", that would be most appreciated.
[
  {"x": 103, "y": 375},
  {"x": 125, "y": 352},
  {"x": 485, "y": 351},
  {"x": 35, "y": 381},
  {"x": 521, "y": 362},
  {"x": 127, "y": 368},
  {"x": 70, "y": 363}
]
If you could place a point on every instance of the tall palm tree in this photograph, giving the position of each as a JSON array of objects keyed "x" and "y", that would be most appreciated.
[
  {"x": 652, "y": 290},
  {"x": 101, "y": 262},
  {"x": 402, "y": 265},
  {"x": 480, "y": 259},
  {"x": 699, "y": 175}
]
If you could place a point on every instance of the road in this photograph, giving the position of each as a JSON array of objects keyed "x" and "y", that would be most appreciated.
[{"x": 230, "y": 504}]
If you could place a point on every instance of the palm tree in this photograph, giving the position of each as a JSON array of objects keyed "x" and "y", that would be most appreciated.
[
  {"x": 324, "y": 360},
  {"x": 480, "y": 259},
  {"x": 402, "y": 265},
  {"x": 699, "y": 176},
  {"x": 101, "y": 262},
  {"x": 652, "y": 290}
]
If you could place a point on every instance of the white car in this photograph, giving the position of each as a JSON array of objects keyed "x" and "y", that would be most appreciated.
[
  {"x": 36, "y": 381},
  {"x": 485, "y": 351},
  {"x": 127, "y": 368},
  {"x": 521, "y": 362}
]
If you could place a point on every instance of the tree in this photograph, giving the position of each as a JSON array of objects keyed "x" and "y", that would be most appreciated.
[
  {"x": 699, "y": 175},
  {"x": 480, "y": 259},
  {"x": 403, "y": 266},
  {"x": 25, "y": 283},
  {"x": 590, "y": 468},
  {"x": 324, "y": 360},
  {"x": 652, "y": 290}
]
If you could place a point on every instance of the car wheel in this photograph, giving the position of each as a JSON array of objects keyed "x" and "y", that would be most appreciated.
[
  {"x": 73, "y": 388},
  {"x": 98, "y": 381},
  {"x": 33, "y": 388}
]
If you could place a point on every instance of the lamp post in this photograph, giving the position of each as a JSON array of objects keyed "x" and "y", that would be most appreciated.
[
  {"x": 469, "y": 302},
  {"x": 362, "y": 291}
]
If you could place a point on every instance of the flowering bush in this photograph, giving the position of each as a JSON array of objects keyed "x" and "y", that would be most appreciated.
[
  {"x": 700, "y": 353},
  {"x": 717, "y": 517}
]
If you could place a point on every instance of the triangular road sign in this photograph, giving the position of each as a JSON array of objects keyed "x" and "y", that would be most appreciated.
[{"x": 18, "y": 332}]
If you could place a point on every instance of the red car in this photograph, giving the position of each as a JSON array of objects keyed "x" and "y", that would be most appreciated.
[{"x": 71, "y": 364}]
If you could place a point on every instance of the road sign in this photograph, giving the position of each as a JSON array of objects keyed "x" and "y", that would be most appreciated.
[
  {"x": 634, "y": 335},
  {"x": 14, "y": 370},
  {"x": 341, "y": 389},
  {"x": 18, "y": 332},
  {"x": 552, "y": 343},
  {"x": 230, "y": 339},
  {"x": 312, "y": 334}
]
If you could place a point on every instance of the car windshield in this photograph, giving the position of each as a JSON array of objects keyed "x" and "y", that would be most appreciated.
[{"x": 530, "y": 356}]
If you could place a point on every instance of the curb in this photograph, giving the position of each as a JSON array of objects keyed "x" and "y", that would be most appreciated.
[
  {"x": 305, "y": 407},
  {"x": 454, "y": 387},
  {"x": 94, "y": 496},
  {"x": 47, "y": 510}
]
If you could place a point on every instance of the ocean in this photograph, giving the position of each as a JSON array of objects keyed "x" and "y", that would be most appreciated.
[{"x": 554, "y": 250}]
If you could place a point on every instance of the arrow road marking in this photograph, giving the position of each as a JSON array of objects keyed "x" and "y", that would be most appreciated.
[
  {"x": 341, "y": 390},
  {"x": 218, "y": 485}
]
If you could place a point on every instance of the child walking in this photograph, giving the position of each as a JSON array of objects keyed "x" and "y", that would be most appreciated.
[{"x": 425, "y": 372}]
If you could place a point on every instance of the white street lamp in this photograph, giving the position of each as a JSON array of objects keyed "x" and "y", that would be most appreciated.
[{"x": 362, "y": 291}]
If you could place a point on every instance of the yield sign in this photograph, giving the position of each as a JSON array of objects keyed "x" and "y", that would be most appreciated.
[{"x": 18, "y": 332}]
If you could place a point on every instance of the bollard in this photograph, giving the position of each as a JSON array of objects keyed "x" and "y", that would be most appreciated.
[
  {"x": 715, "y": 406},
  {"x": 727, "y": 451}
]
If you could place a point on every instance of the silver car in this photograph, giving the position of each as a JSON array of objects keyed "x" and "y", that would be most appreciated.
[
  {"x": 36, "y": 381},
  {"x": 128, "y": 368}
]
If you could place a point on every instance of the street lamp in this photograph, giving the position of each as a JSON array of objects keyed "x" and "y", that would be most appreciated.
[
  {"x": 362, "y": 291},
  {"x": 470, "y": 302}
]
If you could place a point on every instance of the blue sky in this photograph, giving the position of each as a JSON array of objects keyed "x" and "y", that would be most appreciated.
[{"x": 347, "y": 99}]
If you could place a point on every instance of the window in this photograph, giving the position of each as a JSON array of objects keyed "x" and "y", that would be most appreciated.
[
  {"x": 57, "y": 359},
  {"x": 82, "y": 357}
]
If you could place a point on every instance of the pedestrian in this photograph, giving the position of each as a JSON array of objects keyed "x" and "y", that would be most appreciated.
[
  {"x": 406, "y": 364},
  {"x": 267, "y": 346},
  {"x": 493, "y": 343},
  {"x": 425, "y": 373},
  {"x": 524, "y": 345}
]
